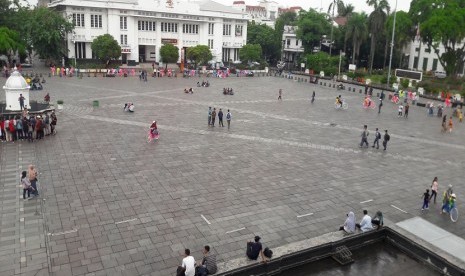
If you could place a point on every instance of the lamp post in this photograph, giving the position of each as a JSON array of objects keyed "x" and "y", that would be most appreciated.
[
  {"x": 392, "y": 45},
  {"x": 75, "y": 52},
  {"x": 340, "y": 62}
]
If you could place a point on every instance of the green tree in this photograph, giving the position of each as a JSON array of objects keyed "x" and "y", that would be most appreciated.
[
  {"x": 376, "y": 21},
  {"x": 199, "y": 54},
  {"x": 267, "y": 38},
  {"x": 169, "y": 54},
  {"x": 404, "y": 31},
  {"x": 312, "y": 26},
  {"x": 10, "y": 41},
  {"x": 322, "y": 61},
  {"x": 106, "y": 48},
  {"x": 250, "y": 52},
  {"x": 442, "y": 22},
  {"x": 345, "y": 10},
  {"x": 356, "y": 31}
]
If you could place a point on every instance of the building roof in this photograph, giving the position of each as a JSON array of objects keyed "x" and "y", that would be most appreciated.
[
  {"x": 341, "y": 21},
  {"x": 239, "y": 3},
  {"x": 254, "y": 8},
  {"x": 209, "y": 5}
]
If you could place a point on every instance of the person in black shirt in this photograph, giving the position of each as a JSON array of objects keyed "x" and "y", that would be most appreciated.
[{"x": 254, "y": 249}]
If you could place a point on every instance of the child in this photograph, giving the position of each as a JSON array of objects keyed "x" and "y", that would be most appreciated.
[
  {"x": 451, "y": 124},
  {"x": 26, "y": 185},
  {"x": 401, "y": 108},
  {"x": 460, "y": 116},
  {"x": 425, "y": 200}
]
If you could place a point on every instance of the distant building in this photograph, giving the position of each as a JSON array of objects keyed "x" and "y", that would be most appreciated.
[
  {"x": 266, "y": 12},
  {"x": 142, "y": 26},
  {"x": 292, "y": 47}
]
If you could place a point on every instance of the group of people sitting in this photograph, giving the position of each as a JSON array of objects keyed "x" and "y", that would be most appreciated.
[
  {"x": 366, "y": 224},
  {"x": 190, "y": 90},
  {"x": 129, "y": 107},
  {"x": 228, "y": 91},
  {"x": 204, "y": 84}
]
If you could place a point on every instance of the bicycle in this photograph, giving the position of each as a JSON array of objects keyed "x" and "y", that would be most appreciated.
[
  {"x": 344, "y": 106},
  {"x": 453, "y": 213}
]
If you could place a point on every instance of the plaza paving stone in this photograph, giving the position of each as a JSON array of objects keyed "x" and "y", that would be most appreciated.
[{"x": 113, "y": 204}]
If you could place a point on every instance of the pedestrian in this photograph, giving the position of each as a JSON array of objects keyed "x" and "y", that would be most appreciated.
[
  {"x": 460, "y": 115},
  {"x": 407, "y": 107},
  {"x": 377, "y": 138},
  {"x": 53, "y": 123},
  {"x": 12, "y": 129},
  {"x": 380, "y": 105},
  {"x": 213, "y": 117},
  {"x": 313, "y": 96},
  {"x": 426, "y": 197},
  {"x": 27, "y": 187},
  {"x": 46, "y": 124},
  {"x": 39, "y": 128},
  {"x": 32, "y": 175},
  {"x": 21, "y": 101},
  {"x": 434, "y": 189},
  {"x": 444, "y": 126},
  {"x": 30, "y": 131},
  {"x": 280, "y": 94},
  {"x": 209, "y": 115},
  {"x": 400, "y": 109},
  {"x": 364, "y": 135},
  {"x": 228, "y": 118},
  {"x": 451, "y": 124},
  {"x": 381, "y": 97},
  {"x": 386, "y": 139},
  {"x": 220, "y": 118},
  {"x": 19, "y": 128}
]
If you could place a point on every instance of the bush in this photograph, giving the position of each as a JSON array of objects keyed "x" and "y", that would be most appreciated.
[
  {"x": 385, "y": 78},
  {"x": 404, "y": 83},
  {"x": 60, "y": 102}
]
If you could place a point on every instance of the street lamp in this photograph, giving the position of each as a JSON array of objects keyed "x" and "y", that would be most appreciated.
[
  {"x": 392, "y": 45},
  {"x": 340, "y": 62},
  {"x": 75, "y": 52}
]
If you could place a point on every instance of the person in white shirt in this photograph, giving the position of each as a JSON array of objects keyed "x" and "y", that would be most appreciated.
[
  {"x": 365, "y": 223},
  {"x": 188, "y": 264}
]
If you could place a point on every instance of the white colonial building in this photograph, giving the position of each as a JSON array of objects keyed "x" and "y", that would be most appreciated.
[
  {"x": 292, "y": 46},
  {"x": 143, "y": 26}
]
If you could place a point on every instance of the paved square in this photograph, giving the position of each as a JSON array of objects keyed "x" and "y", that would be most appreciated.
[{"x": 286, "y": 170}]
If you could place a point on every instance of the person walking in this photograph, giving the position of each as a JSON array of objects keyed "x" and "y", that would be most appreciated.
[
  {"x": 209, "y": 115},
  {"x": 377, "y": 138},
  {"x": 280, "y": 94},
  {"x": 426, "y": 197},
  {"x": 21, "y": 101},
  {"x": 220, "y": 118},
  {"x": 213, "y": 117},
  {"x": 386, "y": 139},
  {"x": 400, "y": 109},
  {"x": 27, "y": 187},
  {"x": 444, "y": 125},
  {"x": 434, "y": 189},
  {"x": 451, "y": 124},
  {"x": 364, "y": 135},
  {"x": 313, "y": 96},
  {"x": 32, "y": 175},
  {"x": 228, "y": 118},
  {"x": 407, "y": 107},
  {"x": 380, "y": 105}
]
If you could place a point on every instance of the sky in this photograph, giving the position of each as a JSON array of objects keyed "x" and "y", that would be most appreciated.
[{"x": 360, "y": 5}]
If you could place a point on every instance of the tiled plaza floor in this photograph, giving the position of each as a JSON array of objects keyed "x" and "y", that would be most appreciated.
[{"x": 112, "y": 204}]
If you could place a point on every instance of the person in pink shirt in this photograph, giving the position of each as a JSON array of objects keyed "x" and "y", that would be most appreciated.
[{"x": 434, "y": 189}]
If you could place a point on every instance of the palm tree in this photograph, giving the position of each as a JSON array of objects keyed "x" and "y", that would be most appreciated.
[
  {"x": 345, "y": 10},
  {"x": 357, "y": 30},
  {"x": 376, "y": 21},
  {"x": 334, "y": 4}
]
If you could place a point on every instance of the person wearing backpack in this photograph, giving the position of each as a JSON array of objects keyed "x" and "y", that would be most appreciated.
[
  {"x": 19, "y": 129},
  {"x": 377, "y": 138},
  {"x": 228, "y": 118},
  {"x": 386, "y": 139}
]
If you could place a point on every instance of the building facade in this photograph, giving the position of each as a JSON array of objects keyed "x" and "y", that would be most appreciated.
[
  {"x": 292, "y": 46},
  {"x": 142, "y": 26},
  {"x": 423, "y": 58}
]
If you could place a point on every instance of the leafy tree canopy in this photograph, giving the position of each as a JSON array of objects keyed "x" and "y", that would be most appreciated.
[
  {"x": 10, "y": 41},
  {"x": 106, "y": 48},
  {"x": 250, "y": 52},
  {"x": 442, "y": 21},
  {"x": 169, "y": 54},
  {"x": 322, "y": 61},
  {"x": 312, "y": 26},
  {"x": 267, "y": 38},
  {"x": 199, "y": 54}
]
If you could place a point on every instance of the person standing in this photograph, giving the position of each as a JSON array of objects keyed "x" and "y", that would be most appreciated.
[
  {"x": 32, "y": 175},
  {"x": 313, "y": 96},
  {"x": 53, "y": 123},
  {"x": 26, "y": 185},
  {"x": 381, "y": 97},
  {"x": 19, "y": 128},
  {"x": 451, "y": 124},
  {"x": 380, "y": 105},
  {"x": 434, "y": 189},
  {"x": 220, "y": 118},
  {"x": 228, "y": 118},
  {"x": 400, "y": 109},
  {"x": 21, "y": 101},
  {"x": 209, "y": 115},
  {"x": 386, "y": 139},
  {"x": 280, "y": 94},
  {"x": 213, "y": 116},
  {"x": 425, "y": 200},
  {"x": 364, "y": 135},
  {"x": 377, "y": 138},
  {"x": 407, "y": 107},
  {"x": 39, "y": 128}
]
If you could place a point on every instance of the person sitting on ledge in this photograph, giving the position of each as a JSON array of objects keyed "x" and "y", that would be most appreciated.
[
  {"x": 349, "y": 224},
  {"x": 208, "y": 264},
  {"x": 365, "y": 224},
  {"x": 254, "y": 249},
  {"x": 378, "y": 220}
]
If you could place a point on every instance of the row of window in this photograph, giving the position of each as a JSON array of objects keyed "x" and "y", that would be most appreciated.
[
  {"x": 169, "y": 27},
  {"x": 425, "y": 64},
  {"x": 190, "y": 28},
  {"x": 146, "y": 25}
]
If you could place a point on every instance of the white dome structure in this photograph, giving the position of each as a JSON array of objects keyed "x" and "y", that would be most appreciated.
[{"x": 16, "y": 86}]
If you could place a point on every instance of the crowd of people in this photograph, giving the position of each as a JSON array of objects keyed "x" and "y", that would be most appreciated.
[
  {"x": 27, "y": 127},
  {"x": 212, "y": 117}
]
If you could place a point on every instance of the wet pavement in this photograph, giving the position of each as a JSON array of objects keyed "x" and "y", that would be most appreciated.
[{"x": 287, "y": 171}]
